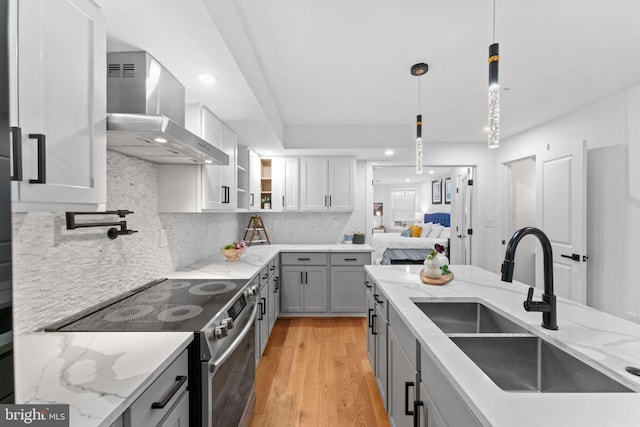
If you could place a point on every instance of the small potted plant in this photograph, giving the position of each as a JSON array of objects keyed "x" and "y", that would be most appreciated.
[
  {"x": 266, "y": 202},
  {"x": 233, "y": 251}
]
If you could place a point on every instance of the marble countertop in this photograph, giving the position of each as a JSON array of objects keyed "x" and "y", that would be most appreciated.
[
  {"x": 601, "y": 340},
  {"x": 98, "y": 374},
  {"x": 252, "y": 261}
]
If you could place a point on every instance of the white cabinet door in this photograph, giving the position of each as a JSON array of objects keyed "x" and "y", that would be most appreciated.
[
  {"x": 284, "y": 184},
  {"x": 341, "y": 183},
  {"x": 313, "y": 178},
  {"x": 210, "y": 129},
  {"x": 60, "y": 87},
  {"x": 254, "y": 181}
]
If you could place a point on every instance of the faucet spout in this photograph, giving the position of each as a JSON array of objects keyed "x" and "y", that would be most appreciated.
[{"x": 548, "y": 304}]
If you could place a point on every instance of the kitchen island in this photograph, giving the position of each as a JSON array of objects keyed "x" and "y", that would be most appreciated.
[
  {"x": 602, "y": 341},
  {"x": 98, "y": 374}
]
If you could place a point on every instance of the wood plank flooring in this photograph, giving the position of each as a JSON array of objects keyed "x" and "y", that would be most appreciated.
[{"x": 315, "y": 372}]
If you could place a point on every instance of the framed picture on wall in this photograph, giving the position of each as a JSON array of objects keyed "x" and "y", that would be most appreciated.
[
  {"x": 436, "y": 192},
  {"x": 447, "y": 191}
]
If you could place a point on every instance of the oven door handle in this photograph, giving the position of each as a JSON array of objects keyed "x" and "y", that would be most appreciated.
[{"x": 224, "y": 356}]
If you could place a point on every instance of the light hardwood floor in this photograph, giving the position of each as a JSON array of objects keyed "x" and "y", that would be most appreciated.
[{"x": 315, "y": 372}]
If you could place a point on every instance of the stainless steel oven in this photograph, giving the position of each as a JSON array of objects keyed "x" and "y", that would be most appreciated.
[
  {"x": 220, "y": 313},
  {"x": 229, "y": 375}
]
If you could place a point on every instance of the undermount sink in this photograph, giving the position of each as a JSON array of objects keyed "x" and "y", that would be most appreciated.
[
  {"x": 528, "y": 363},
  {"x": 467, "y": 317},
  {"x": 512, "y": 357}
]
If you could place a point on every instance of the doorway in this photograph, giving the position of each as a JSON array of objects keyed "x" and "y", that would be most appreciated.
[{"x": 520, "y": 211}]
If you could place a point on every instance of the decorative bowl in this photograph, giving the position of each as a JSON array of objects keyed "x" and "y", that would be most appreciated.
[{"x": 233, "y": 254}]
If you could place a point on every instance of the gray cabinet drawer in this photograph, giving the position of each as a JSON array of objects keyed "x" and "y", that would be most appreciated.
[
  {"x": 351, "y": 258},
  {"x": 303, "y": 258},
  {"x": 141, "y": 412}
]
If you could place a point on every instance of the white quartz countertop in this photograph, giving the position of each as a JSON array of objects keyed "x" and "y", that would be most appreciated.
[
  {"x": 603, "y": 341},
  {"x": 98, "y": 374},
  {"x": 252, "y": 261}
]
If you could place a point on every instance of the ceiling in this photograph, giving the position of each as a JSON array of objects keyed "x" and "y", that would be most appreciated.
[
  {"x": 332, "y": 76},
  {"x": 391, "y": 174}
]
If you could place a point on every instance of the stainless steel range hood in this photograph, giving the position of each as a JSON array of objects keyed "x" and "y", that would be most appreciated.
[{"x": 146, "y": 106}]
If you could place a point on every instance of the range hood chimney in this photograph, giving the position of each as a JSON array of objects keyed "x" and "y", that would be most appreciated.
[{"x": 145, "y": 113}]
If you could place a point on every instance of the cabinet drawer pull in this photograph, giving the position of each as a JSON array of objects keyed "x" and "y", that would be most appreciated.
[
  {"x": 373, "y": 324},
  {"x": 306, "y": 277},
  {"x": 42, "y": 158},
  {"x": 366, "y": 283},
  {"x": 261, "y": 310},
  {"x": 16, "y": 142},
  {"x": 264, "y": 307},
  {"x": 369, "y": 318},
  {"x": 378, "y": 300},
  {"x": 180, "y": 380},
  {"x": 351, "y": 259},
  {"x": 252, "y": 200},
  {"x": 330, "y": 197},
  {"x": 301, "y": 278},
  {"x": 406, "y": 397},
  {"x": 304, "y": 259}
]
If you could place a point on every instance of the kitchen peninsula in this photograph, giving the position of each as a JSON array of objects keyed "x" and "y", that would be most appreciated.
[{"x": 602, "y": 341}]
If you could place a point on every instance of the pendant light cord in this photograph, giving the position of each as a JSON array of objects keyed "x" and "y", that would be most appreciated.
[
  {"x": 419, "y": 89},
  {"x": 494, "y": 21}
]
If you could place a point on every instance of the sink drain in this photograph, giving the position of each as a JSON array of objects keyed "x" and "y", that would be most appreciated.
[{"x": 633, "y": 370}]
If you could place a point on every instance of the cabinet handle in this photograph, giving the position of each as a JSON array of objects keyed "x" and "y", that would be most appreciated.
[
  {"x": 252, "y": 199},
  {"x": 283, "y": 201},
  {"x": 366, "y": 283},
  {"x": 273, "y": 267},
  {"x": 261, "y": 307},
  {"x": 301, "y": 278},
  {"x": 16, "y": 141},
  {"x": 416, "y": 410},
  {"x": 325, "y": 201},
  {"x": 373, "y": 324},
  {"x": 304, "y": 259},
  {"x": 330, "y": 200},
  {"x": 265, "y": 277},
  {"x": 180, "y": 380},
  {"x": 306, "y": 277},
  {"x": 42, "y": 158},
  {"x": 406, "y": 397},
  {"x": 369, "y": 319},
  {"x": 277, "y": 279},
  {"x": 378, "y": 300},
  {"x": 351, "y": 259}
]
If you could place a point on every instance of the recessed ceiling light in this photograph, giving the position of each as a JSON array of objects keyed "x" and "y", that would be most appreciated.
[
  {"x": 207, "y": 78},
  {"x": 486, "y": 128},
  {"x": 269, "y": 153},
  {"x": 407, "y": 180},
  {"x": 388, "y": 153},
  {"x": 160, "y": 140},
  {"x": 207, "y": 161}
]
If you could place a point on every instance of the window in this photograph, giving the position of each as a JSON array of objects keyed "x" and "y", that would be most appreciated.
[{"x": 403, "y": 206}]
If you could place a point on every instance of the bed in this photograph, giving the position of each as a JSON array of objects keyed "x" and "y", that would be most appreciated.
[{"x": 393, "y": 248}]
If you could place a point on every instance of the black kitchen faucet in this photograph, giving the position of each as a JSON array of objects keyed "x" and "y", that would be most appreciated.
[{"x": 548, "y": 304}]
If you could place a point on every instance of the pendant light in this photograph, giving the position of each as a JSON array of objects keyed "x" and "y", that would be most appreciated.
[
  {"x": 494, "y": 88},
  {"x": 419, "y": 70}
]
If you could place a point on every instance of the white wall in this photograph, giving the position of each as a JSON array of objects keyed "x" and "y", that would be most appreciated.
[{"x": 611, "y": 128}]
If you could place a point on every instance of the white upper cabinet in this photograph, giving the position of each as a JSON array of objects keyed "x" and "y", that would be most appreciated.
[
  {"x": 254, "y": 181},
  {"x": 198, "y": 188},
  {"x": 327, "y": 183},
  {"x": 58, "y": 104},
  {"x": 285, "y": 184}
]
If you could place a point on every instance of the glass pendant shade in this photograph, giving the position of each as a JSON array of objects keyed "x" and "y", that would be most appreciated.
[
  {"x": 494, "y": 97},
  {"x": 419, "y": 144}
]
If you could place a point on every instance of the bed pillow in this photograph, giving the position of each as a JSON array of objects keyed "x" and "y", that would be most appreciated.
[
  {"x": 415, "y": 230},
  {"x": 435, "y": 231},
  {"x": 426, "y": 228},
  {"x": 446, "y": 233},
  {"x": 406, "y": 233}
]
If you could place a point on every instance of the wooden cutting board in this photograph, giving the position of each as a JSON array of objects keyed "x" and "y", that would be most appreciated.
[{"x": 442, "y": 280}]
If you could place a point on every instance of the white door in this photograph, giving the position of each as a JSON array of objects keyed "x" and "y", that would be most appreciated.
[
  {"x": 313, "y": 180},
  {"x": 341, "y": 183},
  {"x": 61, "y": 99},
  {"x": 561, "y": 173},
  {"x": 460, "y": 251}
]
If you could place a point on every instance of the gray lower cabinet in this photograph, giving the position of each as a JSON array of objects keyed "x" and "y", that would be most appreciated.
[
  {"x": 377, "y": 337},
  {"x": 274, "y": 292},
  {"x": 402, "y": 385},
  {"x": 371, "y": 337},
  {"x": 262, "y": 317},
  {"x": 347, "y": 274},
  {"x": 165, "y": 402},
  {"x": 304, "y": 289}
]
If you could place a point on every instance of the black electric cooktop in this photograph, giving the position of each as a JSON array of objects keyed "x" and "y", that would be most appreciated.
[{"x": 164, "y": 305}]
